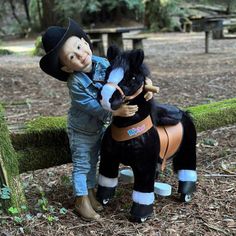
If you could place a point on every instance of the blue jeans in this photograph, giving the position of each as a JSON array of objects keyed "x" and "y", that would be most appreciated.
[{"x": 85, "y": 150}]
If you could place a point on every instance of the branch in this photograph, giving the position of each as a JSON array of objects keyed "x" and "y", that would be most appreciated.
[{"x": 14, "y": 12}]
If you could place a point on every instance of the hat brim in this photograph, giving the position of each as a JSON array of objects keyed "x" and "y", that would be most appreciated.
[{"x": 50, "y": 63}]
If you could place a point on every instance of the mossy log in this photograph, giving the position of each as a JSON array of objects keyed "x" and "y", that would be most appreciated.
[
  {"x": 9, "y": 172},
  {"x": 45, "y": 144},
  {"x": 214, "y": 115}
]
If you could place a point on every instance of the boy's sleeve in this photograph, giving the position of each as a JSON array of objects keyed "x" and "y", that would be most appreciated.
[{"x": 87, "y": 103}]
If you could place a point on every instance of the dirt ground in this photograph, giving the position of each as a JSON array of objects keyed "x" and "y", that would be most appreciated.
[{"x": 186, "y": 76}]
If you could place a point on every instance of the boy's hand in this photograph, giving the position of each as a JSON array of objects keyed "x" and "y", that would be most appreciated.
[
  {"x": 125, "y": 110},
  {"x": 148, "y": 95}
]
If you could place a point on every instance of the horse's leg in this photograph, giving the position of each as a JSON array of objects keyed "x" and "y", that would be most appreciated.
[
  {"x": 108, "y": 171},
  {"x": 185, "y": 160},
  {"x": 144, "y": 168}
]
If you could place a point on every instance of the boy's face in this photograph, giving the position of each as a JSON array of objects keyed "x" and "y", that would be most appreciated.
[{"x": 76, "y": 55}]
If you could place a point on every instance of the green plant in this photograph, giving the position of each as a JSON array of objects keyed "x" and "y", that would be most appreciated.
[
  {"x": 18, "y": 219},
  {"x": 209, "y": 142},
  {"x": 65, "y": 180},
  {"x": 38, "y": 49},
  {"x": 4, "y": 52},
  {"x": 5, "y": 192},
  {"x": 63, "y": 211},
  {"x": 51, "y": 218},
  {"x": 85, "y": 11},
  {"x": 43, "y": 203},
  {"x": 159, "y": 14},
  {"x": 13, "y": 210}
]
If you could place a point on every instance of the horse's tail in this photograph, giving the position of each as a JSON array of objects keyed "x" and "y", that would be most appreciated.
[
  {"x": 186, "y": 157},
  {"x": 188, "y": 114}
]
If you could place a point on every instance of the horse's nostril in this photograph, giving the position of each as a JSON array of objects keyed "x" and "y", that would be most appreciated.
[{"x": 116, "y": 104}]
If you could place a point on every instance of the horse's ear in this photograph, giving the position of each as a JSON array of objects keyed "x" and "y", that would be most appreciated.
[
  {"x": 136, "y": 57},
  {"x": 112, "y": 52}
]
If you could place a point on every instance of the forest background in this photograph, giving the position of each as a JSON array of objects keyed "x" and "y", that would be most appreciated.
[{"x": 27, "y": 17}]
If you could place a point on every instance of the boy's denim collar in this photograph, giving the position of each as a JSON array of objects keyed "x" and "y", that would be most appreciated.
[{"x": 97, "y": 77}]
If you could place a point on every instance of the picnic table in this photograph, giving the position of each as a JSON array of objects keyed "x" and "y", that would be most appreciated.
[
  {"x": 207, "y": 24},
  {"x": 114, "y": 35}
]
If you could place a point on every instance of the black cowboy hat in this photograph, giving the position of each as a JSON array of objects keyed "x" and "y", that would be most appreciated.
[{"x": 53, "y": 39}]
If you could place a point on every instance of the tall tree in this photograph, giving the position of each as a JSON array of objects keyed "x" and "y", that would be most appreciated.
[
  {"x": 48, "y": 13},
  {"x": 13, "y": 9},
  {"x": 26, "y": 7},
  {"x": 229, "y": 8}
]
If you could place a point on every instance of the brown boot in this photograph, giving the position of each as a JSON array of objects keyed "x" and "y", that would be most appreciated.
[
  {"x": 84, "y": 209},
  {"x": 92, "y": 197}
]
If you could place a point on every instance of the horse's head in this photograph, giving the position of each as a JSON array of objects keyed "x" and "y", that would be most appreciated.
[{"x": 124, "y": 78}]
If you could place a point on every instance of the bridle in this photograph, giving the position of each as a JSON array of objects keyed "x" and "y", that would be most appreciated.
[{"x": 125, "y": 97}]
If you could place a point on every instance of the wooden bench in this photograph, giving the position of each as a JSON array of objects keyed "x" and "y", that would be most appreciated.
[
  {"x": 98, "y": 48},
  {"x": 186, "y": 24},
  {"x": 214, "y": 24},
  {"x": 114, "y": 35},
  {"x": 137, "y": 41},
  {"x": 227, "y": 24}
]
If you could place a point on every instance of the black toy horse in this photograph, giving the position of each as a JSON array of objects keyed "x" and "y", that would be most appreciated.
[{"x": 138, "y": 141}]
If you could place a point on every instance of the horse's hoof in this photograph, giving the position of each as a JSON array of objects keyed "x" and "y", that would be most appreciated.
[
  {"x": 187, "y": 187},
  {"x": 185, "y": 198},
  {"x": 140, "y": 212},
  {"x": 105, "y": 201},
  {"x": 138, "y": 219},
  {"x": 104, "y": 194},
  {"x": 142, "y": 220}
]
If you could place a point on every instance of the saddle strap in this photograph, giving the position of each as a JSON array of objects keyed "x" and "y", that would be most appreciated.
[{"x": 170, "y": 140}]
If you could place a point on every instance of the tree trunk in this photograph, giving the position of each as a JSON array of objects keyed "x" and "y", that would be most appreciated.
[
  {"x": 48, "y": 17},
  {"x": 13, "y": 9},
  {"x": 147, "y": 22},
  {"x": 26, "y": 7},
  {"x": 39, "y": 8},
  {"x": 229, "y": 8}
]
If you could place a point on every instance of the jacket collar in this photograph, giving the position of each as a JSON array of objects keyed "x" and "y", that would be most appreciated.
[{"x": 98, "y": 67}]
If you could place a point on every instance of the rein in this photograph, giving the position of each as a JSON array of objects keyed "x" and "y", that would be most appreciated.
[{"x": 124, "y": 97}]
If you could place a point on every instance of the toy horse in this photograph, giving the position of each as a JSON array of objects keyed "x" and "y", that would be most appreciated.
[{"x": 154, "y": 134}]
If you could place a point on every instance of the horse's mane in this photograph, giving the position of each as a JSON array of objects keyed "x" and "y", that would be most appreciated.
[{"x": 122, "y": 61}]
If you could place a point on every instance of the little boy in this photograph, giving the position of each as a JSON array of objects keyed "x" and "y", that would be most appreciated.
[{"x": 69, "y": 58}]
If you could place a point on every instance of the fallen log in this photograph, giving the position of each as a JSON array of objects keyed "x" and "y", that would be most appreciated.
[
  {"x": 214, "y": 115},
  {"x": 44, "y": 142}
]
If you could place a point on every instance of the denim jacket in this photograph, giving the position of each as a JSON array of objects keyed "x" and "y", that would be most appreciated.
[{"x": 86, "y": 115}]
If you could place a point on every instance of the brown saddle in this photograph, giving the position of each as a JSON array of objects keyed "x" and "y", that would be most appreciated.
[{"x": 170, "y": 136}]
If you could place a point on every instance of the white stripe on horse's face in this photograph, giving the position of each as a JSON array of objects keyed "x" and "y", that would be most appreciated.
[
  {"x": 107, "y": 91},
  {"x": 116, "y": 75}
]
